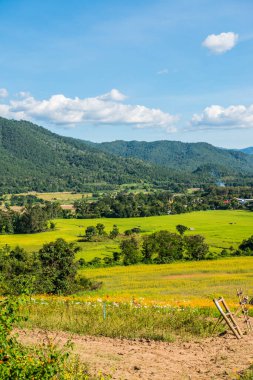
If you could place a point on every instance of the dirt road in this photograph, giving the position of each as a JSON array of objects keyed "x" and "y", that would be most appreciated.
[{"x": 212, "y": 358}]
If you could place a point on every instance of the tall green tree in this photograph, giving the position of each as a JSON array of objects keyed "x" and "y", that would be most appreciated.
[
  {"x": 247, "y": 246},
  {"x": 58, "y": 267},
  {"x": 130, "y": 251},
  {"x": 195, "y": 247},
  {"x": 18, "y": 271}
]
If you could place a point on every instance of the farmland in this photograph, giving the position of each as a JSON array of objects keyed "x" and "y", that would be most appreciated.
[
  {"x": 194, "y": 282},
  {"x": 64, "y": 197},
  {"x": 221, "y": 229}
]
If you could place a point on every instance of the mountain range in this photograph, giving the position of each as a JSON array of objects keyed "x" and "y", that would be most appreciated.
[
  {"x": 33, "y": 158},
  {"x": 190, "y": 157}
]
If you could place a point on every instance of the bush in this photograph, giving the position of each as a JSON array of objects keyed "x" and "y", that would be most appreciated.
[
  {"x": 44, "y": 361},
  {"x": 247, "y": 246},
  {"x": 19, "y": 362},
  {"x": 114, "y": 232}
]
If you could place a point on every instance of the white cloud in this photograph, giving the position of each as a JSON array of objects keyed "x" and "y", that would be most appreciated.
[
  {"x": 3, "y": 93},
  {"x": 216, "y": 116},
  {"x": 23, "y": 94},
  {"x": 114, "y": 94},
  {"x": 107, "y": 109},
  {"x": 4, "y": 110},
  {"x": 220, "y": 43},
  {"x": 163, "y": 72}
]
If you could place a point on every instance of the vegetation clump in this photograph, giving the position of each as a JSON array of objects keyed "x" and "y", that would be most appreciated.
[
  {"x": 20, "y": 362},
  {"x": 45, "y": 361},
  {"x": 51, "y": 270},
  {"x": 158, "y": 248}
]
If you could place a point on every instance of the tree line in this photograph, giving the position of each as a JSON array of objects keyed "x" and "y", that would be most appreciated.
[
  {"x": 127, "y": 205},
  {"x": 32, "y": 219},
  {"x": 36, "y": 216},
  {"x": 162, "y": 247}
]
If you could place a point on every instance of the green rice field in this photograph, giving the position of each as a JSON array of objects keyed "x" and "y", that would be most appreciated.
[{"x": 221, "y": 229}]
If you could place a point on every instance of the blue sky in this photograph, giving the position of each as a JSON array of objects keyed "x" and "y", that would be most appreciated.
[{"x": 137, "y": 69}]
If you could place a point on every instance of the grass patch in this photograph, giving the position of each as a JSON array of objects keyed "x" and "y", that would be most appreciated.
[
  {"x": 247, "y": 375},
  {"x": 121, "y": 320}
]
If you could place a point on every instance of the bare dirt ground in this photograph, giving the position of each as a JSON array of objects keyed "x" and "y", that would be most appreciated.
[{"x": 211, "y": 358}]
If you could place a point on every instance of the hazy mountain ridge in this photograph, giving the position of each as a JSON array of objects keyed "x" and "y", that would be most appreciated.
[
  {"x": 248, "y": 150},
  {"x": 183, "y": 156}
]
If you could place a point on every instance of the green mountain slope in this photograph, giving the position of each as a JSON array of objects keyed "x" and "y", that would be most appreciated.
[
  {"x": 195, "y": 158},
  {"x": 33, "y": 158}
]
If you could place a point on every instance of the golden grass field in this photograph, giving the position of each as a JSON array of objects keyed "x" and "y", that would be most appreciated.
[
  {"x": 189, "y": 283},
  {"x": 64, "y": 197}
]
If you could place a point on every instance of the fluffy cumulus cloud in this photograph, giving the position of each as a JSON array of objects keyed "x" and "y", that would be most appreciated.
[
  {"x": 231, "y": 117},
  {"x": 3, "y": 93},
  {"x": 220, "y": 43},
  {"x": 106, "y": 109}
]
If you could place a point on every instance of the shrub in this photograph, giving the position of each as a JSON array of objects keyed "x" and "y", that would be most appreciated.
[
  {"x": 114, "y": 232},
  {"x": 247, "y": 246},
  {"x": 90, "y": 232},
  {"x": 44, "y": 361},
  {"x": 19, "y": 362}
]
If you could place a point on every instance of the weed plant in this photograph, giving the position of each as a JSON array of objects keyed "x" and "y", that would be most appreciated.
[
  {"x": 44, "y": 361},
  {"x": 247, "y": 375}
]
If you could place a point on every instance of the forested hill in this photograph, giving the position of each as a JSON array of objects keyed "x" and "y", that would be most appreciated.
[
  {"x": 248, "y": 150},
  {"x": 33, "y": 158},
  {"x": 190, "y": 157}
]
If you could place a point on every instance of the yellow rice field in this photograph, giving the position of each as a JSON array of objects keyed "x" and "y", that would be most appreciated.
[{"x": 192, "y": 283}]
